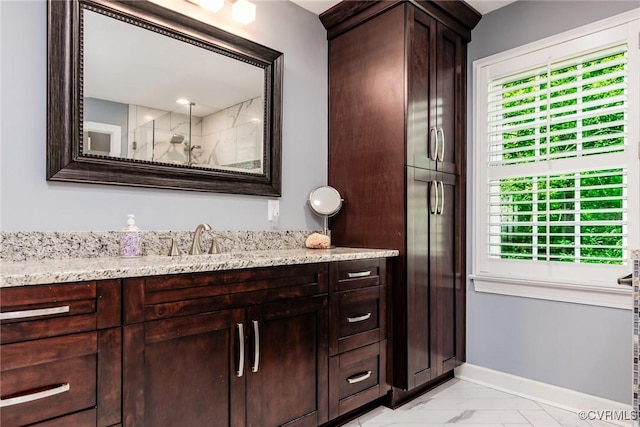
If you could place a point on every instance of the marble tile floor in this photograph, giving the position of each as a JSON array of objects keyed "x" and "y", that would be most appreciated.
[{"x": 466, "y": 404}]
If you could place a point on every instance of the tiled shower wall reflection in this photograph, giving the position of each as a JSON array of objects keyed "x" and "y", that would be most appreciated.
[
  {"x": 230, "y": 138},
  {"x": 233, "y": 137}
]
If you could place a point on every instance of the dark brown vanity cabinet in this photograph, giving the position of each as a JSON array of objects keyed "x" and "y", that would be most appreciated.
[
  {"x": 234, "y": 348},
  {"x": 397, "y": 154},
  {"x": 60, "y": 358}
]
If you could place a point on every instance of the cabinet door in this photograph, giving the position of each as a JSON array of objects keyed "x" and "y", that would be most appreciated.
[
  {"x": 421, "y": 74},
  {"x": 421, "y": 206},
  {"x": 447, "y": 105},
  {"x": 432, "y": 274},
  {"x": 442, "y": 276},
  {"x": 184, "y": 371},
  {"x": 288, "y": 369},
  {"x": 436, "y": 94}
]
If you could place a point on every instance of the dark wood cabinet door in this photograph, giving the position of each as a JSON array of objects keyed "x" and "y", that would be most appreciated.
[
  {"x": 442, "y": 277},
  {"x": 436, "y": 93},
  {"x": 448, "y": 114},
  {"x": 288, "y": 363},
  {"x": 184, "y": 371},
  {"x": 421, "y": 212},
  {"x": 421, "y": 96},
  {"x": 432, "y": 274}
]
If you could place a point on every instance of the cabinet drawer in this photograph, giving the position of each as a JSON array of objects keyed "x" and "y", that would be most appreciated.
[
  {"x": 163, "y": 297},
  {"x": 357, "y": 377},
  {"x": 32, "y": 312},
  {"x": 357, "y": 274},
  {"x": 48, "y": 378},
  {"x": 357, "y": 318}
]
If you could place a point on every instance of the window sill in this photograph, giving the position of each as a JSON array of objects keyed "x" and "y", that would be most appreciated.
[{"x": 603, "y": 296}]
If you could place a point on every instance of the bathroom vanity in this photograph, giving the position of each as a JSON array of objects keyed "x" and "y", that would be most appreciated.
[{"x": 267, "y": 338}]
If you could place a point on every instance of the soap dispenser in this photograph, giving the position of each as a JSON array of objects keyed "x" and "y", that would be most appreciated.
[{"x": 130, "y": 239}]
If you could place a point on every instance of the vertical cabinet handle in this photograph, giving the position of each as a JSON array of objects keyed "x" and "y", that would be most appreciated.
[
  {"x": 441, "y": 207},
  {"x": 240, "y": 370},
  {"x": 256, "y": 342},
  {"x": 433, "y": 143},
  {"x": 434, "y": 195},
  {"x": 10, "y": 315},
  {"x": 440, "y": 156},
  {"x": 57, "y": 389}
]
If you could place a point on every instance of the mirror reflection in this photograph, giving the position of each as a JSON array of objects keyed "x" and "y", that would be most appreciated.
[{"x": 153, "y": 98}]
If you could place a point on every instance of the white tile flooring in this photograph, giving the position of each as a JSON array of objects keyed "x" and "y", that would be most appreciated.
[{"x": 466, "y": 404}]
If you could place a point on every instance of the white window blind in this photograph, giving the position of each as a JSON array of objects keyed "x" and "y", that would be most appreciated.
[
  {"x": 556, "y": 191},
  {"x": 574, "y": 110}
]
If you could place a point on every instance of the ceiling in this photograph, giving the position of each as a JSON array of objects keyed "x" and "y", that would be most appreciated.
[{"x": 482, "y": 6}]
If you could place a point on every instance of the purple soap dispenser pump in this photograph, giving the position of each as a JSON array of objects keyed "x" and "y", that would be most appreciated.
[{"x": 130, "y": 239}]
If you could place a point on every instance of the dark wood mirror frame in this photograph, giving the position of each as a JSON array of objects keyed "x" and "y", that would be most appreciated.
[{"x": 65, "y": 161}]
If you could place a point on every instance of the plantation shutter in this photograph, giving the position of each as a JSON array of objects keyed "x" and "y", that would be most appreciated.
[{"x": 556, "y": 161}]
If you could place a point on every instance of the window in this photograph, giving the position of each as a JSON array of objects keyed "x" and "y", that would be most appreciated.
[{"x": 556, "y": 161}]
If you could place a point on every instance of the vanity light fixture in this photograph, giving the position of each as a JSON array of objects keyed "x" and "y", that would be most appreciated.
[
  {"x": 243, "y": 11},
  {"x": 211, "y": 5}
]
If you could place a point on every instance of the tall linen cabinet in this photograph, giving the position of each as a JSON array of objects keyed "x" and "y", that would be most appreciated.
[{"x": 397, "y": 154}]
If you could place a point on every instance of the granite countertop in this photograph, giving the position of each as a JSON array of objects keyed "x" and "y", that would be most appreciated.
[{"x": 23, "y": 273}]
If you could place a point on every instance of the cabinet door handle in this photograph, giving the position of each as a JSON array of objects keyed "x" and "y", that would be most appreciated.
[
  {"x": 433, "y": 136},
  {"x": 434, "y": 194},
  {"x": 256, "y": 342},
  {"x": 359, "y": 274},
  {"x": 441, "y": 207},
  {"x": 359, "y": 318},
  {"x": 359, "y": 377},
  {"x": 57, "y": 389},
  {"x": 440, "y": 156},
  {"x": 10, "y": 315},
  {"x": 241, "y": 356}
]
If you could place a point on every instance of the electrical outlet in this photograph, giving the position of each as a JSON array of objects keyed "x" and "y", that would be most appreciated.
[{"x": 273, "y": 210}]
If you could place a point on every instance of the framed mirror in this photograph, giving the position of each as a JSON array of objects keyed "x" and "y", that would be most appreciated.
[{"x": 141, "y": 95}]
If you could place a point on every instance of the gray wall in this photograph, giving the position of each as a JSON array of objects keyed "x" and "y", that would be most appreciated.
[
  {"x": 579, "y": 347},
  {"x": 29, "y": 203}
]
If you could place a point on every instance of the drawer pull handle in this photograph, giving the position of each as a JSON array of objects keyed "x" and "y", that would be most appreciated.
[
  {"x": 10, "y": 315},
  {"x": 61, "y": 388},
  {"x": 359, "y": 274},
  {"x": 256, "y": 343},
  {"x": 241, "y": 357},
  {"x": 359, "y": 377},
  {"x": 359, "y": 318}
]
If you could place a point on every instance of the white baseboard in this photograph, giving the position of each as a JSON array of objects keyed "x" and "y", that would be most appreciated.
[{"x": 559, "y": 397}]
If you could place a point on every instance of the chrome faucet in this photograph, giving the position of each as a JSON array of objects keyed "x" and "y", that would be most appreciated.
[{"x": 195, "y": 245}]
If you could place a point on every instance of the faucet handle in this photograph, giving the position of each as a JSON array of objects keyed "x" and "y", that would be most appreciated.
[
  {"x": 173, "y": 250},
  {"x": 215, "y": 248}
]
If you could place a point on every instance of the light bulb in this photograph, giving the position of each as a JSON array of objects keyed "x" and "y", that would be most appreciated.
[
  {"x": 211, "y": 5},
  {"x": 243, "y": 11}
]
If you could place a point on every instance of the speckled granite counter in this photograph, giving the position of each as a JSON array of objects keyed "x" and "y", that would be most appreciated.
[{"x": 81, "y": 269}]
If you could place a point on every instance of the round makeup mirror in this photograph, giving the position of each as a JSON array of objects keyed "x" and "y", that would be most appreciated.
[{"x": 325, "y": 201}]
